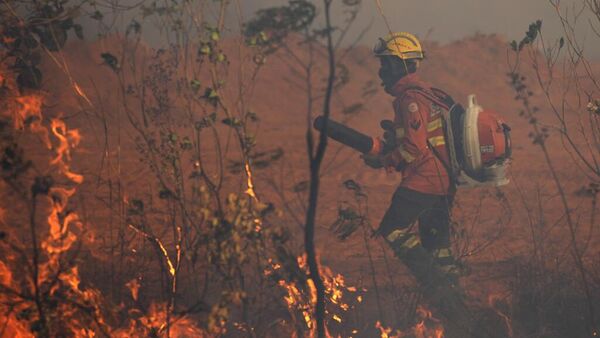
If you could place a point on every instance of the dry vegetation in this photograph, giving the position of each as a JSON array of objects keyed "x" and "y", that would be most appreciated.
[{"x": 152, "y": 192}]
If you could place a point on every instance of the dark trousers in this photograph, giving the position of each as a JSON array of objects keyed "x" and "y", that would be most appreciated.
[{"x": 431, "y": 211}]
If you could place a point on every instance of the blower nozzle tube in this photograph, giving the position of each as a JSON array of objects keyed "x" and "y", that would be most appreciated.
[{"x": 348, "y": 136}]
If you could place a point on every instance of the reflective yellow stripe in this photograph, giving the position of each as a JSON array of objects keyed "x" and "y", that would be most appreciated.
[
  {"x": 435, "y": 124},
  {"x": 437, "y": 141},
  {"x": 442, "y": 253},
  {"x": 412, "y": 242},
  {"x": 405, "y": 154},
  {"x": 400, "y": 132},
  {"x": 395, "y": 235},
  {"x": 450, "y": 268}
]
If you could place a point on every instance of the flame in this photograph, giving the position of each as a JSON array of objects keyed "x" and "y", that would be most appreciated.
[
  {"x": 5, "y": 274},
  {"x": 134, "y": 286},
  {"x": 493, "y": 300},
  {"x": 68, "y": 139},
  {"x": 161, "y": 247},
  {"x": 62, "y": 282},
  {"x": 81, "y": 93},
  {"x": 302, "y": 299},
  {"x": 250, "y": 191},
  {"x": 385, "y": 332},
  {"x": 153, "y": 323},
  {"x": 30, "y": 114},
  {"x": 60, "y": 238},
  {"x": 427, "y": 327}
]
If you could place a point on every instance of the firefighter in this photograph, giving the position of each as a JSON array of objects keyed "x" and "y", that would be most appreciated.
[{"x": 426, "y": 193}]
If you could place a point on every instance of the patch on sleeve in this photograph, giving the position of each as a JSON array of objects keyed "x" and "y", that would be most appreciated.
[
  {"x": 435, "y": 110},
  {"x": 413, "y": 107}
]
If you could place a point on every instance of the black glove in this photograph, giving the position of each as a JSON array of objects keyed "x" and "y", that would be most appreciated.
[
  {"x": 373, "y": 161},
  {"x": 389, "y": 132}
]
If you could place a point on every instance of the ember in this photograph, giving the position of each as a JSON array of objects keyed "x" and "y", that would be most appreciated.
[
  {"x": 427, "y": 327},
  {"x": 302, "y": 302}
]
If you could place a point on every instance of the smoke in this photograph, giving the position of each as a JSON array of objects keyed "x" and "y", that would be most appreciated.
[
  {"x": 437, "y": 20},
  {"x": 445, "y": 21}
]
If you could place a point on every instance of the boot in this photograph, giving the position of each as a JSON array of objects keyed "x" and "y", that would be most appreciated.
[{"x": 446, "y": 262}]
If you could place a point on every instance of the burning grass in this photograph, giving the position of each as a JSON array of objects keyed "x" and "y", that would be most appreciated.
[
  {"x": 41, "y": 292},
  {"x": 427, "y": 326}
]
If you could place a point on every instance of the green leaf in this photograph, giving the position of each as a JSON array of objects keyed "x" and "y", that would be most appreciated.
[
  {"x": 204, "y": 49},
  {"x": 136, "y": 207},
  {"x": 263, "y": 36},
  {"x": 232, "y": 121},
  {"x": 211, "y": 96},
  {"x": 352, "y": 185},
  {"x": 206, "y": 121},
  {"x": 97, "y": 15},
  {"x": 195, "y": 84},
  {"x": 210, "y": 93},
  {"x": 186, "y": 143},
  {"x": 252, "y": 116},
  {"x": 78, "y": 31},
  {"x": 66, "y": 24},
  {"x": 276, "y": 154},
  {"x": 111, "y": 61},
  {"x": 138, "y": 204},
  {"x": 164, "y": 194},
  {"x": 250, "y": 141},
  {"x": 134, "y": 27}
]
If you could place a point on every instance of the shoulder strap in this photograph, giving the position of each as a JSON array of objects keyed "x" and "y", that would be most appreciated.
[
  {"x": 449, "y": 171},
  {"x": 438, "y": 96}
]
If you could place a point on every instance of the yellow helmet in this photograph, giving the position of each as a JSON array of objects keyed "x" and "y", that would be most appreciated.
[{"x": 403, "y": 45}]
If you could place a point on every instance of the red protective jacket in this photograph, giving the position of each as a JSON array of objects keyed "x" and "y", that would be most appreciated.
[{"x": 418, "y": 120}]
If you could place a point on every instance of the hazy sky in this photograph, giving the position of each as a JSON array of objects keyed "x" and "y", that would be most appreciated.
[{"x": 447, "y": 20}]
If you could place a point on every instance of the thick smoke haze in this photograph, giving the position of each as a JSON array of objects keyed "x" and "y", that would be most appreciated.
[
  {"x": 436, "y": 20},
  {"x": 447, "y": 20}
]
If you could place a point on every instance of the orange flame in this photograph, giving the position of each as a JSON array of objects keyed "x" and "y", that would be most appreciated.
[
  {"x": 302, "y": 299},
  {"x": 250, "y": 191},
  {"x": 160, "y": 245},
  {"x": 30, "y": 114},
  {"x": 493, "y": 301},
  {"x": 68, "y": 139},
  {"x": 57, "y": 235},
  {"x": 385, "y": 332},
  {"x": 5, "y": 274},
  {"x": 154, "y": 321},
  {"x": 427, "y": 327},
  {"x": 134, "y": 286}
]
